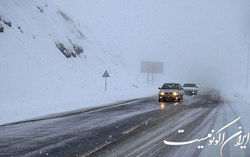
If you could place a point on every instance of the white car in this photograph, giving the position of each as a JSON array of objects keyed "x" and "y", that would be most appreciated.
[{"x": 190, "y": 89}]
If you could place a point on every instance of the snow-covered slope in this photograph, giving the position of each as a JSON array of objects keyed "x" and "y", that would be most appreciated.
[{"x": 51, "y": 63}]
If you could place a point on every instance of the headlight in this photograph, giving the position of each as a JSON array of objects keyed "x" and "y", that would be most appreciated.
[
  {"x": 162, "y": 93},
  {"x": 175, "y": 93}
]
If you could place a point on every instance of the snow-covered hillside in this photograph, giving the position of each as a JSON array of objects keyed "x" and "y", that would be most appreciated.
[{"x": 51, "y": 63}]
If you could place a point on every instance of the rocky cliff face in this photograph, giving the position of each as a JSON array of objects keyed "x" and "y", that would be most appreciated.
[{"x": 51, "y": 63}]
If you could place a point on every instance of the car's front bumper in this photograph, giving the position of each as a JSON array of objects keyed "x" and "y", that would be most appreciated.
[
  {"x": 190, "y": 92},
  {"x": 169, "y": 97}
]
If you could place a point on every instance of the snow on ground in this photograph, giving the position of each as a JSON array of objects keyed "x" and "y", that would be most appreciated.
[
  {"x": 52, "y": 58},
  {"x": 51, "y": 63},
  {"x": 239, "y": 100}
]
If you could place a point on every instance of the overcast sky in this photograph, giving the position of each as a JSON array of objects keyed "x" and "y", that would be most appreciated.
[{"x": 198, "y": 40}]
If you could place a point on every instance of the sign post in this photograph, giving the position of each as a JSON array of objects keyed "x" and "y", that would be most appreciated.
[{"x": 105, "y": 75}]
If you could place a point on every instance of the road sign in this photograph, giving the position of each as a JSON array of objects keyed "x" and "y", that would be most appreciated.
[
  {"x": 106, "y": 75},
  {"x": 152, "y": 68}
]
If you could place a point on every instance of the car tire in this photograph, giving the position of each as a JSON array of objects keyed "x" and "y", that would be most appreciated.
[{"x": 181, "y": 99}]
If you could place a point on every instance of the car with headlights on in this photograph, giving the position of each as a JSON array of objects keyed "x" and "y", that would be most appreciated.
[
  {"x": 190, "y": 89},
  {"x": 171, "y": 92}
]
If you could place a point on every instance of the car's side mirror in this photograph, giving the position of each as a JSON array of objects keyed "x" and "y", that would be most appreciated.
[{"x": 159, "y": 87}]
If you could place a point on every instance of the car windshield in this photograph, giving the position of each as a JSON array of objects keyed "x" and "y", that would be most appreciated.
[
  {"x": 170, "y": 86},
  {"x": 189, "y": 85}
]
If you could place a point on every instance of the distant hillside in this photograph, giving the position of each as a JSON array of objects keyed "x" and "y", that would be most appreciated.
[{"x": 51, "y": 63}]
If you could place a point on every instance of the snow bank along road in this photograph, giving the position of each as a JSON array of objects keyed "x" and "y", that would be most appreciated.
[{"x": 133, "y": 128}]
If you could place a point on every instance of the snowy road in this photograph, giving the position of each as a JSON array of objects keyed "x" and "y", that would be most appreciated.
[{"x": 133, "y": 128}]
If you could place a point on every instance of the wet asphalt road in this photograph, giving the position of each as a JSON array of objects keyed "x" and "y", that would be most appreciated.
[{"x": 132, "y": 128}]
